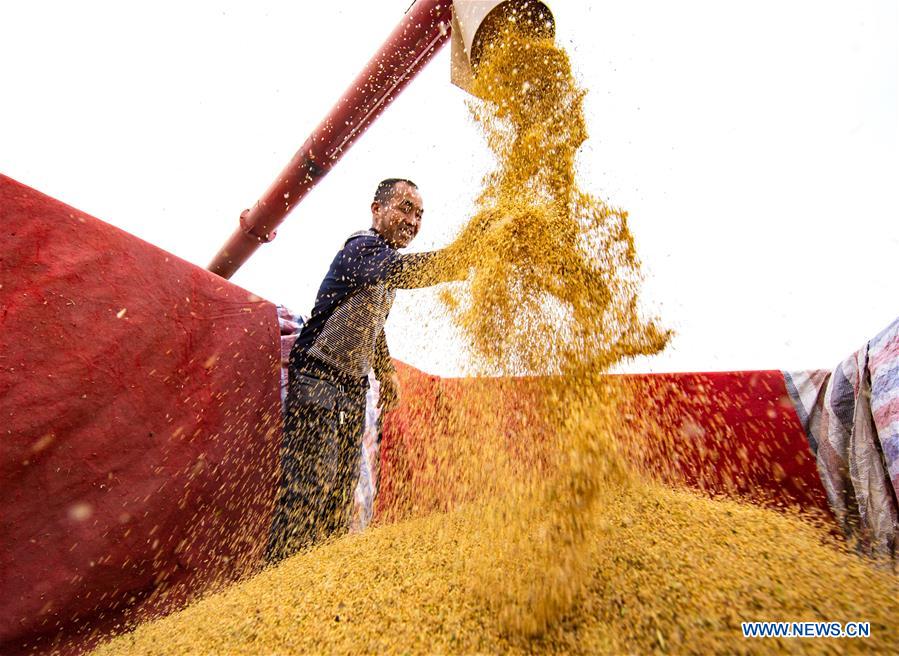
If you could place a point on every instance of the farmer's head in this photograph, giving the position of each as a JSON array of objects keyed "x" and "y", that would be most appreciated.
[{"x": 396, "y": 211}]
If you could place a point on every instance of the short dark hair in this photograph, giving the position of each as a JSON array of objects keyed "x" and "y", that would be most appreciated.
[{"x": 384, "y": 192}]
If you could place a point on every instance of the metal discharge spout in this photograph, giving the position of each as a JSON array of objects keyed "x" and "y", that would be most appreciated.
[
  {"x": 477, "y": 22},
  {"x": 419, "y": 35}
]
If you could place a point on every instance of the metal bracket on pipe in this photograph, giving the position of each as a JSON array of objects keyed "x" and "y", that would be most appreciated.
[{"x": 248, "y": 230}]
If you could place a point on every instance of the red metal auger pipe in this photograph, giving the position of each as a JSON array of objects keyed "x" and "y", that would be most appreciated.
[{"x": 419, "y": 35}]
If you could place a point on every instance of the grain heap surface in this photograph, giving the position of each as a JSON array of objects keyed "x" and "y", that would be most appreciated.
[
  {"x": 567, "y": 551},
  {"x": 668, "y": 572}
]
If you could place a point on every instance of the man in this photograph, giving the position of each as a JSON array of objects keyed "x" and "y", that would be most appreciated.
[{"x": 329, "y": 365}]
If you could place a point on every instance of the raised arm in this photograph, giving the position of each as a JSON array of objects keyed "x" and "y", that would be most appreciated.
[{"x": 370, "y": 261}]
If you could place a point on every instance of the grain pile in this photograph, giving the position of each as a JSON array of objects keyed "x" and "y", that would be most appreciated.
[
  {"x": 568, "y": 551},
  {"x": 668, "y": 572}
]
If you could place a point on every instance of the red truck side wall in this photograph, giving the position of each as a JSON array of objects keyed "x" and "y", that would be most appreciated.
[
  {"x": 729, "y": 433},
  {"x": 139, "y": 424}
]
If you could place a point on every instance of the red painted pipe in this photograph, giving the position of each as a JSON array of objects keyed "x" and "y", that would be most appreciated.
[{"x": 419, "y": 35}]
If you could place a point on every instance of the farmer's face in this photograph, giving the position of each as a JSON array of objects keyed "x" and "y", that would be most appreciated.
[{"x": 399, "y": 219}]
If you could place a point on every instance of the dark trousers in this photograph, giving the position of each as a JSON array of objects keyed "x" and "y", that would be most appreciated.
[{"x": 319, "y": 463}]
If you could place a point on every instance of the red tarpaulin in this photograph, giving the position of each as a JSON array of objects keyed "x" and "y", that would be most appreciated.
[
  {"x": 140, "y": 423},
  {"x": 733, "y": 433}
]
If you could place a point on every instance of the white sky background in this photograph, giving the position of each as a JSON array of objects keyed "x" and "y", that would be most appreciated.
[{"x": 753, "y": 143}]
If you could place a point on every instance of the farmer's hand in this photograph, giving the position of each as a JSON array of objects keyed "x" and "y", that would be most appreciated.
[{"x": 389, "y": 394}]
